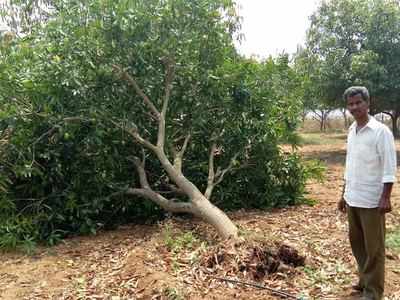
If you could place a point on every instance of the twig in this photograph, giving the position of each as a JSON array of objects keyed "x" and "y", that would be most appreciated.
[
  {"x": 58, "y": 125},
  {"x": 260, "y": 286},
  {"x": 47, "y": 133}
]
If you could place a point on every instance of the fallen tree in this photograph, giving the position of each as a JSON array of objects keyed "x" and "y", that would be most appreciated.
[{"x": 113, "y": 102}]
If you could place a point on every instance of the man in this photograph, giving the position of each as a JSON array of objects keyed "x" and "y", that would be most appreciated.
[{"x": 369, "y": 176}]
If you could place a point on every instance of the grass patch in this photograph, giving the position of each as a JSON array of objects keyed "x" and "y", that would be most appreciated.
[
  {"x": 393, "y": 240},
  {"x": 180, "y": 245},
  {"x": 171, "y": 293},
  {"x": 177, "y": 242},
  {"x": 322, "y": 138}
]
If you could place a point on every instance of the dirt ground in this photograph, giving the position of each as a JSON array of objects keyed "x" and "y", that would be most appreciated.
[{"x": 136, "y": 262}]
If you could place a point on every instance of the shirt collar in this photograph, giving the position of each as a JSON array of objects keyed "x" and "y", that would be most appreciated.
[{"x": 372, "y": 123}]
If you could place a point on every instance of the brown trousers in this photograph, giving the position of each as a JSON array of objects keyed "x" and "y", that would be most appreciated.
[{"x": 367, "y": 240}]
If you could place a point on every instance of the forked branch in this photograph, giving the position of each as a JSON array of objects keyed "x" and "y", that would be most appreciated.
[
  {"x": 178, "y": 155},
  {"x": 215, "y": 178}
]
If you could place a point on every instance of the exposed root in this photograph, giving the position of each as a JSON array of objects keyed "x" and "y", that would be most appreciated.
[{"x": 255, "y": 260}]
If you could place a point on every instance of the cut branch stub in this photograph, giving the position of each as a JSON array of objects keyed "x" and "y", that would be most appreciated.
[{"x": 178, "y": 155}]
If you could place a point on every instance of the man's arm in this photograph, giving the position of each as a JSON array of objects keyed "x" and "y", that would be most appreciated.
[{"x": 387, "y": 152}]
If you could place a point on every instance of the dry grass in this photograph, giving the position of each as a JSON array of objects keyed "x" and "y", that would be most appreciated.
[{"x": 322, "y": 138}]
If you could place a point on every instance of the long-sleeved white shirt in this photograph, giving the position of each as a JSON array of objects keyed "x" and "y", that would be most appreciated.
[{"x": 370, "y": 162}]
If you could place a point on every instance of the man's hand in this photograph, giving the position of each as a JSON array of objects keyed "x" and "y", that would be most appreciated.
[
  {"x": 342, "y": 205},
  {"x": 384, "y": 205}
]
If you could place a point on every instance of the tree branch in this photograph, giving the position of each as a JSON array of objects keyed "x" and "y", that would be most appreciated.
[
  {"x": 388, "y": 113},
  {"x": 169, "y": 77},
  {"x": 176, "y": 207},
  {"x": 220, "y": 175},
  {"x": 168, "y": 205},
  {"x": 76, "y": 119},
  {"x": 211, "y": 172},
  {"x": 138, "y": 90},
  {"x": 135, "y": 134},
  {"x": 144, "y": 183},
  {"x": 6, "y": 132},
  {"x": 47, "y": 133},
  {"x": 178, "y": 156},
  {"x": 317, "y": 113},
  {"x": 185, "y": 144},
  {"x": 215, "y": 178},
  {"x": 57, "y": 126},
  {"x": 146, "y": 191}
]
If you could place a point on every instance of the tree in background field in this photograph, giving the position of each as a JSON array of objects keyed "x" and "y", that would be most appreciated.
[
  {"x": 316, "y": 99},
  {"x": 356, "y": 43}
]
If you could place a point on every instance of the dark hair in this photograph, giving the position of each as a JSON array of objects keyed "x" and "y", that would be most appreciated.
[{"x": 356, "y": 90}]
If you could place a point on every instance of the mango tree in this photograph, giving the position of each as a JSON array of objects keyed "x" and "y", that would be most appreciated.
[
  {"x": 114, "y": 101},
  {"x": 126, "y": 64}
]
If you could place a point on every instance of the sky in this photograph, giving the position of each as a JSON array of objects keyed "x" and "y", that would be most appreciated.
[{"x": 271, "y": 26}]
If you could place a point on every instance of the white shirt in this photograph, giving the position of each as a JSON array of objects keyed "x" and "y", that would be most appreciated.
[{"x": 370, "y": 162}]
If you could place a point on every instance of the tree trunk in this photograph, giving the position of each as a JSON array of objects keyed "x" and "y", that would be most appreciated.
[
  {"x": 395, "y": 128},
  {"x": 346, "y": 121},
  {"x": 203, "y": 208},
  {"x": 211, "y": 214},
  {"x": 394, "y": 116},
  {"x": 303, "y": 115},
  {"x": 324, "y": 117}
]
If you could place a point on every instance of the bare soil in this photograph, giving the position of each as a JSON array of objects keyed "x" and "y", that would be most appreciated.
[{"x": 144, "y": 262}]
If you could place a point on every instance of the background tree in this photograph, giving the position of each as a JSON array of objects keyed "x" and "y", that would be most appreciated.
[
  {"x": 317, "y": 97},
  {"x": 355, "y": 43}
]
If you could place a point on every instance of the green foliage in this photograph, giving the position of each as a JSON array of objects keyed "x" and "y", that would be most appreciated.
[
  {"x": 176, "y": 243},
  {"x": 172, "y": 294},
  {"x": 353, "y": 42},
  {"x": 63, "y": 160},
  {"x": 280, "y": 182},
  {"x": 18, "y": 233},
  {"x": 321, "y": 139},
  {"x": 393, "y": 240},
  {"x": 288, "y": 179}
]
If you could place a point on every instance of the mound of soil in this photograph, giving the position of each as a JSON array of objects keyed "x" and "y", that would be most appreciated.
[{"x": 251, "y": 260}]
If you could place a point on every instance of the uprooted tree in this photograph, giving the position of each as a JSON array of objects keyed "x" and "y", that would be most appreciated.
[
  {"x": 198, "y": 204},
  {"x": 145, "y": 99}
]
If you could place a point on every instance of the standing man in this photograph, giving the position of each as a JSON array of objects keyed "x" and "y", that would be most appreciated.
[{"x": 369, "y": 177}]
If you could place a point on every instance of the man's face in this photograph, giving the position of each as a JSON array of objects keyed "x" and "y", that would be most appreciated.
[{"x": 357, "y": 106}]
